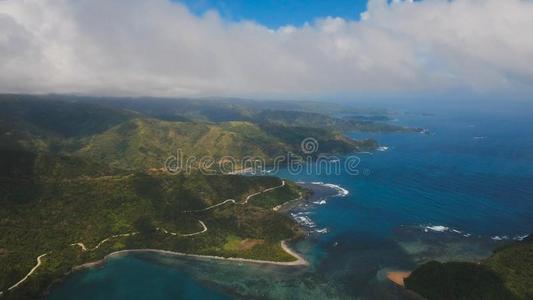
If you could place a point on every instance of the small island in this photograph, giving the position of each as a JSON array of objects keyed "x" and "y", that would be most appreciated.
[{"x": 506, "y": 274}]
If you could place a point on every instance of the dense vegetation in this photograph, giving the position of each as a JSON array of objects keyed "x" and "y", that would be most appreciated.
[
  {"x": 507, "y": 274},
  {"x": 46, "y": 212}
]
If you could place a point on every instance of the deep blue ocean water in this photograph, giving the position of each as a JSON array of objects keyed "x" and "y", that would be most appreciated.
[{"x": 470, "y": 181}]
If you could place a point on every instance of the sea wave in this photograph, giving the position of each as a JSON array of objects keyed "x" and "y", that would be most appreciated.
[
  {"x": 521, "y": 237},
  {"x": 382, "y": 148},
  {"x": 321, "y": 202},
  {"x": 437, "y": 228},
  {"x": 341, "y": 192},
  {"x": 302, "y": 217},
  {"x": 442, "y": 228},
  {"x": 323, "y": 230},
  {"x": 499, "y": 238},
  {"x": 303, "y": 220}
]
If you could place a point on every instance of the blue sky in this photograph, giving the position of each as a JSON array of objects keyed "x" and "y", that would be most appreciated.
[{"x": 275, "y": 13}]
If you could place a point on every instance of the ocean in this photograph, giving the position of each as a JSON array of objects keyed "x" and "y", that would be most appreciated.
[{"x": 456, "y": 193}]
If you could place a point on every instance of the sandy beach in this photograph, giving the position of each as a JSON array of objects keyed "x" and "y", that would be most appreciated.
[
  {"x": 398, "y": 277},
  {"x": 300, "y": 261}
]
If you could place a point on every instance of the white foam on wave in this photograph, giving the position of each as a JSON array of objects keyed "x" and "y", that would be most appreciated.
[
  {"x": 323, "y": 230},
  {"x": 321, "y": 202},
  {"x": 303, "y": 220},
  {"x": 441, "y": 228},
  {"x": 382, "y": 148},
  {"x": 480, "y": 137},
  {"x": 302, "y": 213},
  {"x": 521, "y": 237},
  {"x": 341, "y": 192},
  {"x": 436, "y": 228}
]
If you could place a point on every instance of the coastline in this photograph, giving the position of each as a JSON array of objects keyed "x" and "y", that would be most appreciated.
[{"x": 299, "y": 262}]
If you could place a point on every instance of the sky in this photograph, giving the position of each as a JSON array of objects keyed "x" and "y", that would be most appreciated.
[
  {"x": 268, "y": 49},
  {"x": 277, "y": 13}
]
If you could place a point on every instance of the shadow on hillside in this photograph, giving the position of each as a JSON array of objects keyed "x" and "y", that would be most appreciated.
[{"x": 18, "y": 182}]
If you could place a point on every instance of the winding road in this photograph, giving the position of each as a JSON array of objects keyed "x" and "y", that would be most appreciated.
[
  {"x": 39, "y": 262},
  {"x": 187, "y": 234},
  {"x": 84, "y": 248},
  {"x": 235, "y": 201}
]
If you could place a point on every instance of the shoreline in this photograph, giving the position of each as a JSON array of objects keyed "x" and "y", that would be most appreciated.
[{"x": 299, "y": 262}]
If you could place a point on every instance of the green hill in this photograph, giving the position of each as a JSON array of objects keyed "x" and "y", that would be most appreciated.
[
  {"x": 131, "y": 140},
  {"x": 146, "y": 143},
  {"x": 317, "y": 120},
  {"x": 507, "y": 274}
]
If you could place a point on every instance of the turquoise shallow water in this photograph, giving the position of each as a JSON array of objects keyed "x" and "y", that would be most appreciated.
[
  {"x": 473, "y": 175},
  {"x": 129, "y": 277}
]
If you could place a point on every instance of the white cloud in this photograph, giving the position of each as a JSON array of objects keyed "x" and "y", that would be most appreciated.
[{"x": 137, "y": 47}]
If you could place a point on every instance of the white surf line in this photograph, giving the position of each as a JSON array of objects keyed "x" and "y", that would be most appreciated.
[
  {"x": 187, "y": 234},
  {"x": 39, "y": 262},
  {"x": 84, "y": 248}
]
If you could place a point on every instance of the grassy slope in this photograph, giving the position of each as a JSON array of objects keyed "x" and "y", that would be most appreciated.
[
  {"x": 145, "y": 143},
  {"x": 507, "y": 274}
]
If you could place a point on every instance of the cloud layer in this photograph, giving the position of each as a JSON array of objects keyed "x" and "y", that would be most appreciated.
[{"x": 159, "y": 48}]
